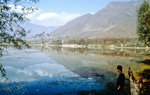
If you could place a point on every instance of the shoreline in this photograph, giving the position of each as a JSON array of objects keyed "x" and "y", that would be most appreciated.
[{"x": 92, "y": 46}]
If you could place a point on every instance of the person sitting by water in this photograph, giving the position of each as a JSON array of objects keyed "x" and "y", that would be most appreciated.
[{"x": 120, "y": 81}]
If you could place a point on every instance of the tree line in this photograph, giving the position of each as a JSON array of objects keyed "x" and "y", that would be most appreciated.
[{"x": 143, "y": 22}]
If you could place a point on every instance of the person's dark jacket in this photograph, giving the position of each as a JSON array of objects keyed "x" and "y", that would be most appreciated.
[{"x": 121, "y": 80}]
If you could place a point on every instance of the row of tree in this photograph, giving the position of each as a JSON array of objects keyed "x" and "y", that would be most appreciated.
[{"x": 106, "y": 41}]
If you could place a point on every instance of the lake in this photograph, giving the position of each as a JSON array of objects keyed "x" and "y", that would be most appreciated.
[{"x": 66, "y": 71}]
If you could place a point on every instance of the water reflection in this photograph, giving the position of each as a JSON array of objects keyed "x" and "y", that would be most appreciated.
[
  {"x": 3, "y": 72},
  {"x": 66, "y": 70},
  {"x": 146, "y": 61},
  {"x": 100, "y": 64},
  {"x": 31, "y": 72},
  {"x": 104, "y": 59},
  {"x": 28, "y": 65},
  {"x": 104, "y": 52}
]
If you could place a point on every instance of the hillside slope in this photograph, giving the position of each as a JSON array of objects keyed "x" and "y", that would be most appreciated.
[{"x": 116, "y": 20}]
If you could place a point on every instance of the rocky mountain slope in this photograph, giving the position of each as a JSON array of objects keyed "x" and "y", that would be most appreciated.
[{"x": 116, "y": 20}]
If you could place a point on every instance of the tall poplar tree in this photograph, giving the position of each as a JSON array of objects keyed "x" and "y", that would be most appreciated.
[{"x": 143, "y": 23}]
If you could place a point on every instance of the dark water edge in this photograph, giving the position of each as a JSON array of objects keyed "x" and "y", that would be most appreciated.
[
  {"x": 45, "y": 86},
  {"x": 51, "y": 86}
]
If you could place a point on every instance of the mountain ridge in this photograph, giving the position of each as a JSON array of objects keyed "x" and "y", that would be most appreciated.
[
  {"x": 37, "y": 29},
  {"x": 112, "y": 19}
]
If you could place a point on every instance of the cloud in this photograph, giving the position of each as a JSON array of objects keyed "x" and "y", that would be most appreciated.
[
  {"x": 33, "y": 14},
  {"x": 47, "y": 18},
  {"x": 53, "y": 18},
  {"x": 19, "y": 9},
  {"x": 32, "y": 72},
  {"x": 92, "y": 13},
  {"x": 16, "y": 8}
]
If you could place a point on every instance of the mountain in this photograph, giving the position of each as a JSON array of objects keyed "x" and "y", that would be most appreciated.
[
  {"x": 116, "y": 20},
  {"x": 73, "y": 28},
  {"x": 37, "y": 29}
]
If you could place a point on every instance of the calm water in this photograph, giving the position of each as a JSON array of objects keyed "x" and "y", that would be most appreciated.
[{"x": 48, "y": 71}]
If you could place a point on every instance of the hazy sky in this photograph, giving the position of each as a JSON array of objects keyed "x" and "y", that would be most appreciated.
[{"x": 59, "y": 12}]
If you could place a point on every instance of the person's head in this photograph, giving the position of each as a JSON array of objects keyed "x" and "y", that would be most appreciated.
[{"x": 119, "y": 68}]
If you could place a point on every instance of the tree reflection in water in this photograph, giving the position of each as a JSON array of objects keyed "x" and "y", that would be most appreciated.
[
  {"x": 145, "y": 74},
  {"x": 3, "y": 72},
  {"x": 146, "y": 61},
  {"x": 88, "y": 69}
]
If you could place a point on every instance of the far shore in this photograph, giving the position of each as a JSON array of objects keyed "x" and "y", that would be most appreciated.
[{"x": 94, "y": 46}]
